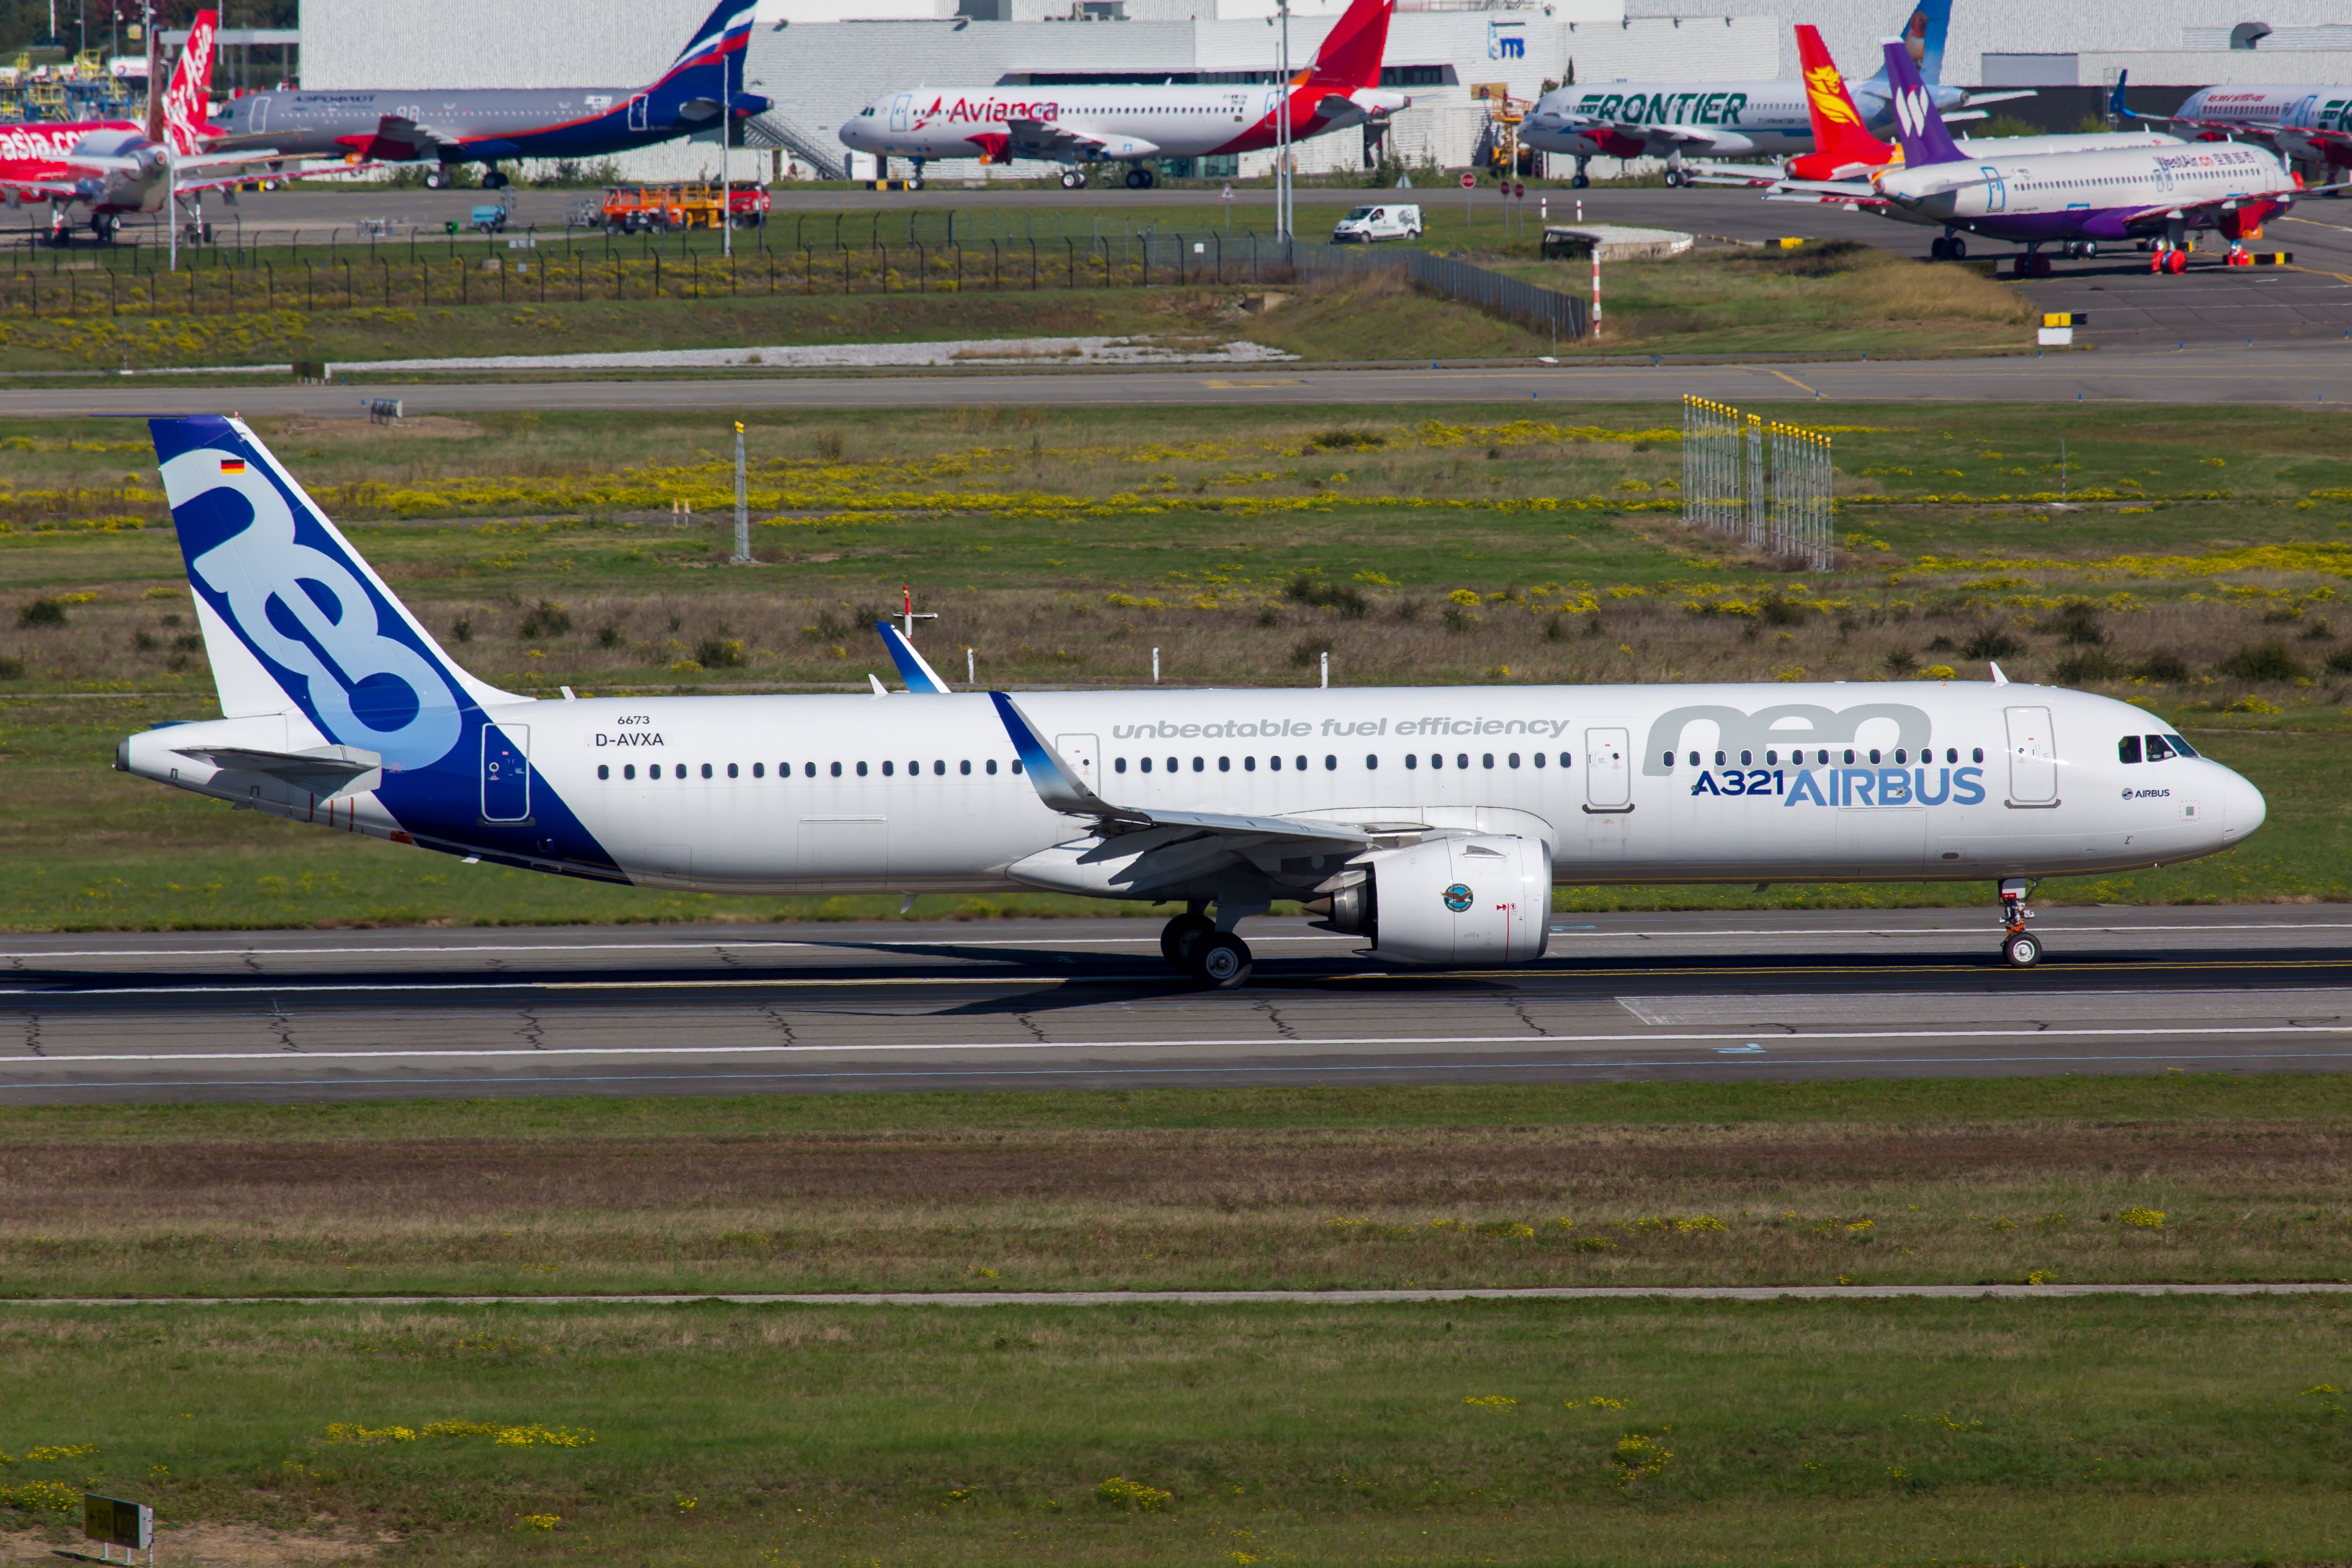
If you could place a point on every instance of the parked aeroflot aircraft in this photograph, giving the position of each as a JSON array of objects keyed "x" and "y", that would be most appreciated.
[
  {"x": 1433, "y": 821},
  {"x": 1075, "y": 126},
  {"x": 489, "y": 126}
]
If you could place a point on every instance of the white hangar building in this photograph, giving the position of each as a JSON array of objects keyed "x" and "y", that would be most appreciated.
[{"x": 822, "y": 60}]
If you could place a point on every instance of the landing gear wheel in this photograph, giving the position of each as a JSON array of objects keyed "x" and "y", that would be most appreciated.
[
  {"x": 1958, "y": 247},
  {"x": 1180, "y": 936},
  {"x": 494, "y": 181},
  {"x": 2020, "y": 949},
  {"x": 1940, "y": 249},
  {"x": 435, "y": 179},
  {"x": 1149, "y": 179},
  {"x": 1135, "y": 179},
  {"x": 1220, "y": 962},
  {"x": 1580, "y": 182},
  {"x": 1069, "y": 181},
  {"x": 1673, "y": 179}
]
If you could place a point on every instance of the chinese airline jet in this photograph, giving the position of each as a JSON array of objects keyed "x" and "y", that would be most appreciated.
[
  {"x": 1676, "y": 120},
  {"x": 1077, "y": 126},
  {"x": 492, "y": 125},
  {"x": 1432, "y": 821},
  {"x": 1844, "y": 151},
  {"x": 2072, "y": 199},
  {"x": 2313, "y": 124}
]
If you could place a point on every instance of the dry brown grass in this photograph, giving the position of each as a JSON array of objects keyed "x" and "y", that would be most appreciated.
[{"x": 1758, "y": 1204}]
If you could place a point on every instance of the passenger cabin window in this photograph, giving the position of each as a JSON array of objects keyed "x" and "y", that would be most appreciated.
[
  {"x": 1977, "y": 754},
  {"x": 992, "y": 764},
  {"x": 1118, "y": 765},
  {"x": 602, "y": 772},
  {"x": 2128, "y": 749}
]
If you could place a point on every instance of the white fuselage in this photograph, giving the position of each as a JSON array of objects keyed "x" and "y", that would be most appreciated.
[
  {"x": 1098, "y": 122},
  {"x": 2085, "y": 185},
  {"x": 1721, "y": 783}
]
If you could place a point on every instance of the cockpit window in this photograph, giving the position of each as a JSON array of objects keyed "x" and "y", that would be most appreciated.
[
  {"x": 2128, "y": 749},
  {"x": 2180, "y": 747},
  {"x": 2158, "y": 750}
]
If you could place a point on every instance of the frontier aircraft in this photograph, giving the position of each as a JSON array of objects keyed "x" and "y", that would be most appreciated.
[
  {"x": 1078, "y": 126},
  {"x": 1433, "y": 822},
  {"x": 1676, "y": 120}
]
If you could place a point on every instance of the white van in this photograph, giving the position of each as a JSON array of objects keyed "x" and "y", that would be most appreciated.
[{"x": 1370, "y": 225}]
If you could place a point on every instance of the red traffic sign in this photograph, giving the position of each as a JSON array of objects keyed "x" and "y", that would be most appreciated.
[
  {"x": 1227, "y": 194},
  {"x": 1469, "y": 182},
  {"x": 1519, "y": 191}
]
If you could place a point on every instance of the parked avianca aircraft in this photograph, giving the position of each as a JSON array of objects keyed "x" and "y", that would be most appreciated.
[
  {"x": 1674, "y": 121},
  {"x": 115, "y": 169},
  {"x": 1432, "y": 821},
  {"x": 1844, "y": 151},
  {"x": 1080, "y": 125},
  {"x": 2158, "y": 192},
  {"x": 491, "y": 125}
]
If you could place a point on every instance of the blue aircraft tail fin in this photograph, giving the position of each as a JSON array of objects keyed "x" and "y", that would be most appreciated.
[
  {"x": 1918, "y": 123},
  {"x": 2115, "y": 100},
  {"x": 1924, "y": 26},
  {"x": 913, "y": 668},
  {"x": 293, "y": 619},
  {"x": 723, "y": 36}
]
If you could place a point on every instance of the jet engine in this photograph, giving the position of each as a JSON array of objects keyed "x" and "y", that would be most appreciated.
[{"x": 1484, "y": 899}]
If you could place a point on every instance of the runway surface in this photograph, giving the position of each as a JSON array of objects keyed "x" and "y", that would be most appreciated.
[
  {"x": 328, "y": 1015},
  {"x": 2305, "y": 374}
]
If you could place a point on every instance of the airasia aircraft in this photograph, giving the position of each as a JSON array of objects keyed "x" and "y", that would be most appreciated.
[
  {"x": 1077, "y": 126},
  {"x": 1432, "y": 821},
  {"x": 115, "y": 168}
]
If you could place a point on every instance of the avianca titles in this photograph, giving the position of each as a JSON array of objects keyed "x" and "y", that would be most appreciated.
[
  {"x": 1077, "y": 126},
  {"x": 1433, "y": 821}
]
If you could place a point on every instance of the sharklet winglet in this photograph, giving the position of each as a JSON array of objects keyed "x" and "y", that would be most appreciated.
[{"x": 913, "y": 668}]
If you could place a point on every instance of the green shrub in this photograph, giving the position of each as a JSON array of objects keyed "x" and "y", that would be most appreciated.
[
  {"x": 44, "y": 612},
  {"x": 2263, "y": 661}
]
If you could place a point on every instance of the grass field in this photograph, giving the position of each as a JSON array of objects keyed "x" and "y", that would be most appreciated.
[
  {"x": 2045, "y": 1432},
  {"x": 1833, "y": 296},
  {"x": 2095, "y": 1429},
  {"x": 2171, "y": 1178},
  {"x": 2198, "y": 576}
]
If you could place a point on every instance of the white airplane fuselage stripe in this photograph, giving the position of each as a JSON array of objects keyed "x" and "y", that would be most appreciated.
[{"x": 1624, "y": 783}]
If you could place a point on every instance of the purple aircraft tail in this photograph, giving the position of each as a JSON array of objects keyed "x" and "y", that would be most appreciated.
[{"x": 1917, "y": 123}]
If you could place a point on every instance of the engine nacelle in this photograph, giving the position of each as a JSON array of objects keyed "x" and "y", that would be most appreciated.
[{"x": 1453, "y": 900}]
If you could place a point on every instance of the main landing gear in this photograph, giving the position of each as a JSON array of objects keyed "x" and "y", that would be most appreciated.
[
  {"x": 1950, "y": 247},
  {"x": 2168, "y": 259},
  {"x": 2032, "y": 264},
  {"x": 1583, "y": 174},
  {"x": 1139, "y": 178},
  {"x": 1074, "y": 179},
  {"x": 1193, "y": 945},
  {"x": 2020, "y": 948}
]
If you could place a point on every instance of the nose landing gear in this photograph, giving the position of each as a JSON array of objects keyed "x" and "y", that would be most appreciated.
[{"x": 2020, "y": 949}]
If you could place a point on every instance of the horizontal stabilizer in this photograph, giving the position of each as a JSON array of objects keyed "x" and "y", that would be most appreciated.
[{"x": 330, "y": 766}]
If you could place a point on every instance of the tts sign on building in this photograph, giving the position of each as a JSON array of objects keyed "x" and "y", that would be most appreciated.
[{"x": 1507, "y": 40}]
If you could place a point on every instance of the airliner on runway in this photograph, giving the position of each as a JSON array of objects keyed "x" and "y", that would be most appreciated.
[{"x": 1433, "y": 821}]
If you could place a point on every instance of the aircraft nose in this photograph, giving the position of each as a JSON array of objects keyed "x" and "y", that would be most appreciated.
[{"x": 2242, "y": 807}]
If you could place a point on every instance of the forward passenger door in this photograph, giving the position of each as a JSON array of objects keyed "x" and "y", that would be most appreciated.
[{"x": 2033, "y": 758}]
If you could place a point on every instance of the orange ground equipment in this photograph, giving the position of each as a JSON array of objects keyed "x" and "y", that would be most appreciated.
[{"x": 665, "y": 209}]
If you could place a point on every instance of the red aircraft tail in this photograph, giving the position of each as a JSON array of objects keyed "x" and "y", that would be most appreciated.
[
  {"x": 184, "y": 111},
  {"x": 1839, "y": 139},
  {"x": 1352, "y": 51}
]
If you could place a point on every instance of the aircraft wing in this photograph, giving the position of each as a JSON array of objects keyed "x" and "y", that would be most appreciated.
[
  {"x": 398, "y": 139},
  {"x": 1664, "y": 139},
  {"x": 1058, "y": 786},
  {"x": 324, "y": 771},
  {"x": 1054, "y": 139},
  {"x": 39, "y": 188},
  {"x": 2161, "y": 212}
]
